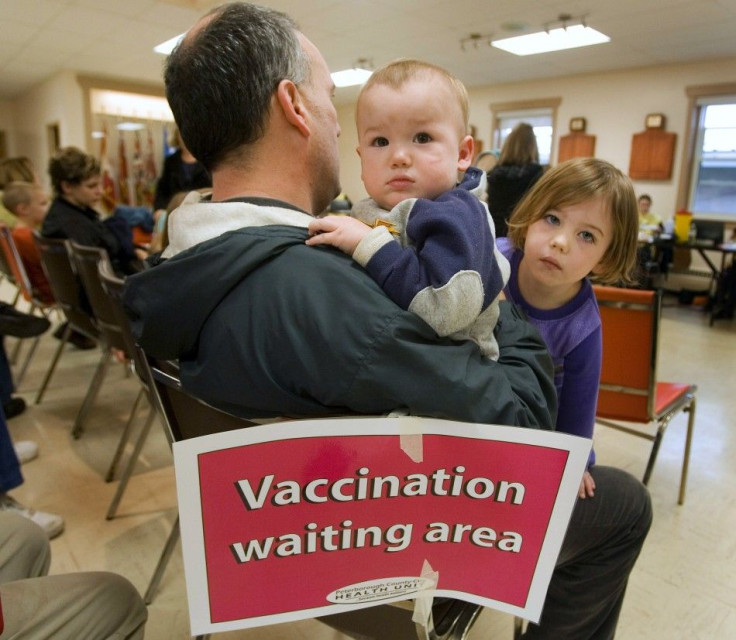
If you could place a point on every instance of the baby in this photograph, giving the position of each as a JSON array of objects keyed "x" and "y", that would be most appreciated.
[{"x": 426, "y": 239}]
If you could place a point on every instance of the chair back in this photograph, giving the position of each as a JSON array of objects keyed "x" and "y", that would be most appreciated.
[
  {"x": 87, "y": 260},
  {"x": 630, "y": 319},
  {"x": 67, "y": 288},
  {"x": 184, "y": 415},
  {"x": 5, "y": 268},
  {"x": 13, "y": 263},
  {"x": 113, "y": 285}
]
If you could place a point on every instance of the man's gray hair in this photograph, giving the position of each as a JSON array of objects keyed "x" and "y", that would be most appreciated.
[{"x": 221, "y": 77}]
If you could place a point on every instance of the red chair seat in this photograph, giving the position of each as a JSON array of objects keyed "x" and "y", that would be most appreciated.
[{"x": 667, "y": 394}]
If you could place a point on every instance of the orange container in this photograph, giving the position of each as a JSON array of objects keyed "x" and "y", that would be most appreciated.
[{"x": 683, "y": 219}]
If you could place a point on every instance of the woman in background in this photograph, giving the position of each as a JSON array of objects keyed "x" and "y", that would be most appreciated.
[
  {"x": 517, "y": 170},
  {"x": 181, "y": 172}
]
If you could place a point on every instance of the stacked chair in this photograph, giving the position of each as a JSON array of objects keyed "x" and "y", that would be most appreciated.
[
  {"x": 71, "y": 300},
  {"x": 115, "y": 334}
]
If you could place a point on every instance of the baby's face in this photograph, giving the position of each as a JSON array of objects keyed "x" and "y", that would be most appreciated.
[{"x": 411, "y": 141}]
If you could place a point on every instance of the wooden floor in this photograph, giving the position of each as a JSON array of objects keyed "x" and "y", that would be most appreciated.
[{"x": 683, "y": 587}]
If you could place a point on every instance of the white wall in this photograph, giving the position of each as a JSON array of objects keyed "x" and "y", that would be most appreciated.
[
  {"x": 7, "y": 126},
  {"x": 614, "y": 105},
  {"x": 58, "y": 101}
]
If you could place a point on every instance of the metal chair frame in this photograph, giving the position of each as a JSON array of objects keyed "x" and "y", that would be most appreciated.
[
  {"x": 69, "y": 293},
  {"x": 112, "y": 287},
  {"x": 12, "y": 260}
]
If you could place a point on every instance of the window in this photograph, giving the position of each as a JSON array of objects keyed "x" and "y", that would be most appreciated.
[
  {"x": 708, "y": 179},
  {"x": 713, "y": 184},
  {"x": 540, "y": 114}
]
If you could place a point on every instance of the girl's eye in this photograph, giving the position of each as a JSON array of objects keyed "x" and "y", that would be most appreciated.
[
  {"x": 587, "y": 236},
  {"x": 422, "y": 138},
  {"x": 379, "y": 142},
  {"x": 552, "y": 218}
]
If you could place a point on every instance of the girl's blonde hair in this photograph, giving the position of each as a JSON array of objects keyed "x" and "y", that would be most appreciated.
[
  {"x": 18, "y": 169},
  {"x": 397, "y": 73},
  {"x": 576, "y": 181}
]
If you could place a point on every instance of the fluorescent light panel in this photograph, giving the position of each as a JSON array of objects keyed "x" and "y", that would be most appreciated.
[
  {"x": 554, "y": 40},
  {"x": 350, "y": 77}
]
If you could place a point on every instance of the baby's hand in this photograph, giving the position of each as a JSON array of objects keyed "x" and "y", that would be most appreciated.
[
  {"x": 341, "y": 232},
  {"x": 587, "y": 486}
]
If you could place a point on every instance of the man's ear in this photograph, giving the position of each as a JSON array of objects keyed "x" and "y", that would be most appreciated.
[
  {"x": 465, "y": 153},
  {"x": 292, "y": 106},
  {"x": 65, "y": 187}
]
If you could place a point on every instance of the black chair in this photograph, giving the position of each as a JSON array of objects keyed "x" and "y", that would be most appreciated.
[
  {"x": 112, "y": 288},
  {"x": 72, "y": 300},
  {"x": 185, "y": 416}
]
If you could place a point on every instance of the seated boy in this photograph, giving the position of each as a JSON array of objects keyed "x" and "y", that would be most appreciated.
[
  {"x": 412, "y": 120},
  {"x": 29, "y": 203}
]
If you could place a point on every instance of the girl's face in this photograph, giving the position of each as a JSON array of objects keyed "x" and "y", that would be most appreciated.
[{"x": 568, "y": 243}]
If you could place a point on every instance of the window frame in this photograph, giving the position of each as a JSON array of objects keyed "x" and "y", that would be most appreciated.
[
  {"x": 498, "y": 109},
  {"x": 696, "y": 95}
]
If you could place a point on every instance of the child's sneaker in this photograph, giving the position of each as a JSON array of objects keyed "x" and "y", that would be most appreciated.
[{"x": 26, "y": 451}]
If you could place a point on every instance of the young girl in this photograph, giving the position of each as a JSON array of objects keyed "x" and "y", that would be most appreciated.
[{"x": 579, "y": 221}]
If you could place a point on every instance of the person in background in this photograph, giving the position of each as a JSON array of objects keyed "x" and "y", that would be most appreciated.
[
  {"x": 29, "y": 203},
  {"x": 93, "y": 605},
  {"x": 424, "y": 236},
  {"x": 650, "y": 258},
  {"x": 13, "y": 322},
  {"x": 181, "y": 172},
  {"x": 261, "y": 311},
  {"x": 650, "y": 223},
  {"x": 577, "y": 222},
  {"x": 11, "y": 170},
  {"x": 517, "y": 170},
  {"x": 75, "y": 177}
]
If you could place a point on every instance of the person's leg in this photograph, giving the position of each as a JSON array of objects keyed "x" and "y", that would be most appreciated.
[
  {"x": 73, "y": 606},
  {"x": 24, "y": 549},
  {"x": 10, "y": 475},
  {"x": 602, "y": 543},
  {"x": 6, "y": 377}
]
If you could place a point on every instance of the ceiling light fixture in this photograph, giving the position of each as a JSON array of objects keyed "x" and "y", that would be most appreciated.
[
  {"x": 474, "y": 39},
  {"x": 565, "y": 36},
  {"x": 165, "y": 48},
  {"x": 357, "y": 74}
]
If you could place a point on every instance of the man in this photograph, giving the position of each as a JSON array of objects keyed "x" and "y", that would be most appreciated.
[{"x": 264, "y": 325}]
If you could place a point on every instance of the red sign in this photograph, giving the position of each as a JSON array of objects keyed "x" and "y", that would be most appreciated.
[{"x": 301, "y": 519}]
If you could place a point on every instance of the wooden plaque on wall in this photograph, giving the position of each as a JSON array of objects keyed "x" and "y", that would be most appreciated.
[
  {"x": 576, "y": 145},
  {"x": 652, "y": 155}
]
